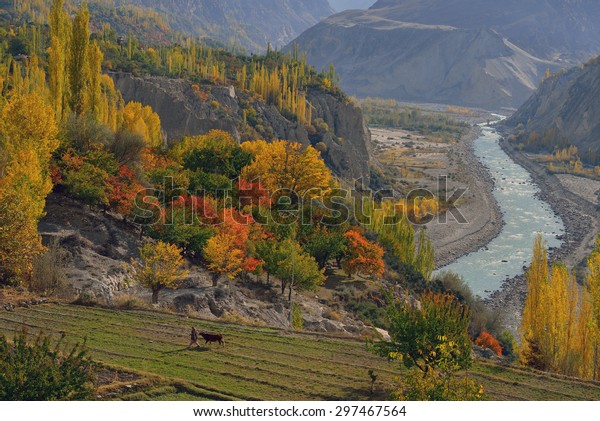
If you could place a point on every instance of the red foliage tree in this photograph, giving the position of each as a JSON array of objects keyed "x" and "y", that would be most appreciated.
[
  {"x": 253, "y": 194},
  {"x": 123, "y": 189}
]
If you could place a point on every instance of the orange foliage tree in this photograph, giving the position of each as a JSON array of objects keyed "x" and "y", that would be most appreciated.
[
  {"x": 363, "y": 257},
  {"x": 229, "y": 252},
  {"x": 487, "y": 341}
]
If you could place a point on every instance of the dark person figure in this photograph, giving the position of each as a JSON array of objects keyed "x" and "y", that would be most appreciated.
[{"x": 194, "y": 337}]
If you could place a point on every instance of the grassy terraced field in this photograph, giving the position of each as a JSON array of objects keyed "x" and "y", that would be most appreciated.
[{"x": 147, "y": 352}]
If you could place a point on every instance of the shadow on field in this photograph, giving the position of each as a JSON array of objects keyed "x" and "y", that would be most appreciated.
[{"x": 197, "y": 349}]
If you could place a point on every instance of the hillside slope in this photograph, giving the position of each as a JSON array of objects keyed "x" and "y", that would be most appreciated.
[
  {"x": 551, "y": 29},
  {"x": 378, "y": 56},
  {"x": 250, "y": 23},
  {"x": 568, "y": 102},
  {"x": 348, "y": 142},
  {"x": 256, "y": 363}
]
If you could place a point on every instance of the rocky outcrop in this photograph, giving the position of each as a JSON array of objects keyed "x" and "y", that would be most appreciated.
[
  {"x": 181, "y": 111},
  {"x": 568, "y": 102},
  {"x": 185, "y": 109}
]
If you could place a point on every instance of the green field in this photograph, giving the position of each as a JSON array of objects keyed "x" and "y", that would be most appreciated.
[{"x": 145, "y": 356}]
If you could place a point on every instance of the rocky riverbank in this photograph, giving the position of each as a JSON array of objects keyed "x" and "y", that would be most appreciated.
[
  {"x": 582, "y": 224},
  {"x": 478, "y": 206}
]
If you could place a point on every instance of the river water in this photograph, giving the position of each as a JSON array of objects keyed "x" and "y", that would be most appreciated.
[{"x": 524, "y": 215}]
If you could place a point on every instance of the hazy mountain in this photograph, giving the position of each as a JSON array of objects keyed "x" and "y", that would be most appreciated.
[
  {"x": 341, "y": 5},
  {"x": 568, "y": 102},
  {"x": 551, "y": 29},
  {"x": 250, "y": 23},
  {"x": 377, "y": 56}
]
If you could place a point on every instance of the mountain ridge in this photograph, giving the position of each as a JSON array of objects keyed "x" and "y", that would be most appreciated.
[
  {"x": 463, "y": 52},
  {"x": 250, "y": 23}
]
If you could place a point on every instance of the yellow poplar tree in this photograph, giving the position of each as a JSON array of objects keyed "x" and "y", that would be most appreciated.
[
  {"x": 57, "y": 57},
  {"x": 78, "y": 65},
  {"x": 27, "y": 140}
]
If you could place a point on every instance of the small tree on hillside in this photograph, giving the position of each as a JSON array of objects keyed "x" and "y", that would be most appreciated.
[
  {"x": 298, "y": 270},
  {"x": 159, "y": 266},
  {"x": 431, "y": 335},
  {"x": 363, "y": 257}
]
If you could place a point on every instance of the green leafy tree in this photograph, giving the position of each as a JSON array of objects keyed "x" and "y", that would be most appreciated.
[
  {"x": 298, "y": 270},
  {"x": 430, "y": 337}
]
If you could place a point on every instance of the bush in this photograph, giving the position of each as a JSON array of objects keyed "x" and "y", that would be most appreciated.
[
  {"x": 482, "y": 317},
  {"x": 297, "y": 320},
  {"x": 435, "y": 386},
  {"x": 85, "y": 133},
  {"x": 368, "y": 312},
  {"x": 50, "y": 271},
  {"x": 509, "y": 344},
  {"x": 487, "y": 341},
  {"x": 129, "y": 301},
  {"x": 127, "y": 147},
  {"x": 41, "y": 371}
]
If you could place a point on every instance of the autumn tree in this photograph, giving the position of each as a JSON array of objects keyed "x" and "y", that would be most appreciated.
[
  {"x": 487, "y": 341},
  {"x": 227, "y": 252},
  {"x": 558, "y": 326},
  {"x": 288, "y": 168},
  {"x": 160, "y": 266},
  {"x": 224, "y": 256},
  {"x": 431, "y": 336},
  {"x": 591, "y": 311},
  {"x": 27, "y": 140},
  {"x": 531, "y": 325},
  {"x": 362, "y": 256},
  {"x": 94, "y": 86},
  {"x": 57, "y": 57},
  {"x": 140, "y": 119},
  {"x": 123, "y": 189},
  {"x": 78, "y": 65}
]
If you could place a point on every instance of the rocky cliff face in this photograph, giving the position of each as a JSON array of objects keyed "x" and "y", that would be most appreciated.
[
  {"x": 481, "y": 53},
  {"x": 250, "y": 23},
  {"x": 568, "y": 102},
  {"x": 183, "y": 111}
]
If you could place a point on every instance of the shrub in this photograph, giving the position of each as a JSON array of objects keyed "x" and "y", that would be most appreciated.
[
  {"x": 127, "y": 147},
  {"x": 509, "y": 344},
  {"x": 41, "y": 371},
  {"x": 297, "y": 319},
  {"x": 129, "y": 301},
  {"x": 435, "y": 386},
  {"x": 85, "y": 133},
  {"x": 487, "y": 341},
  {"x": 50, "y": 270}
]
